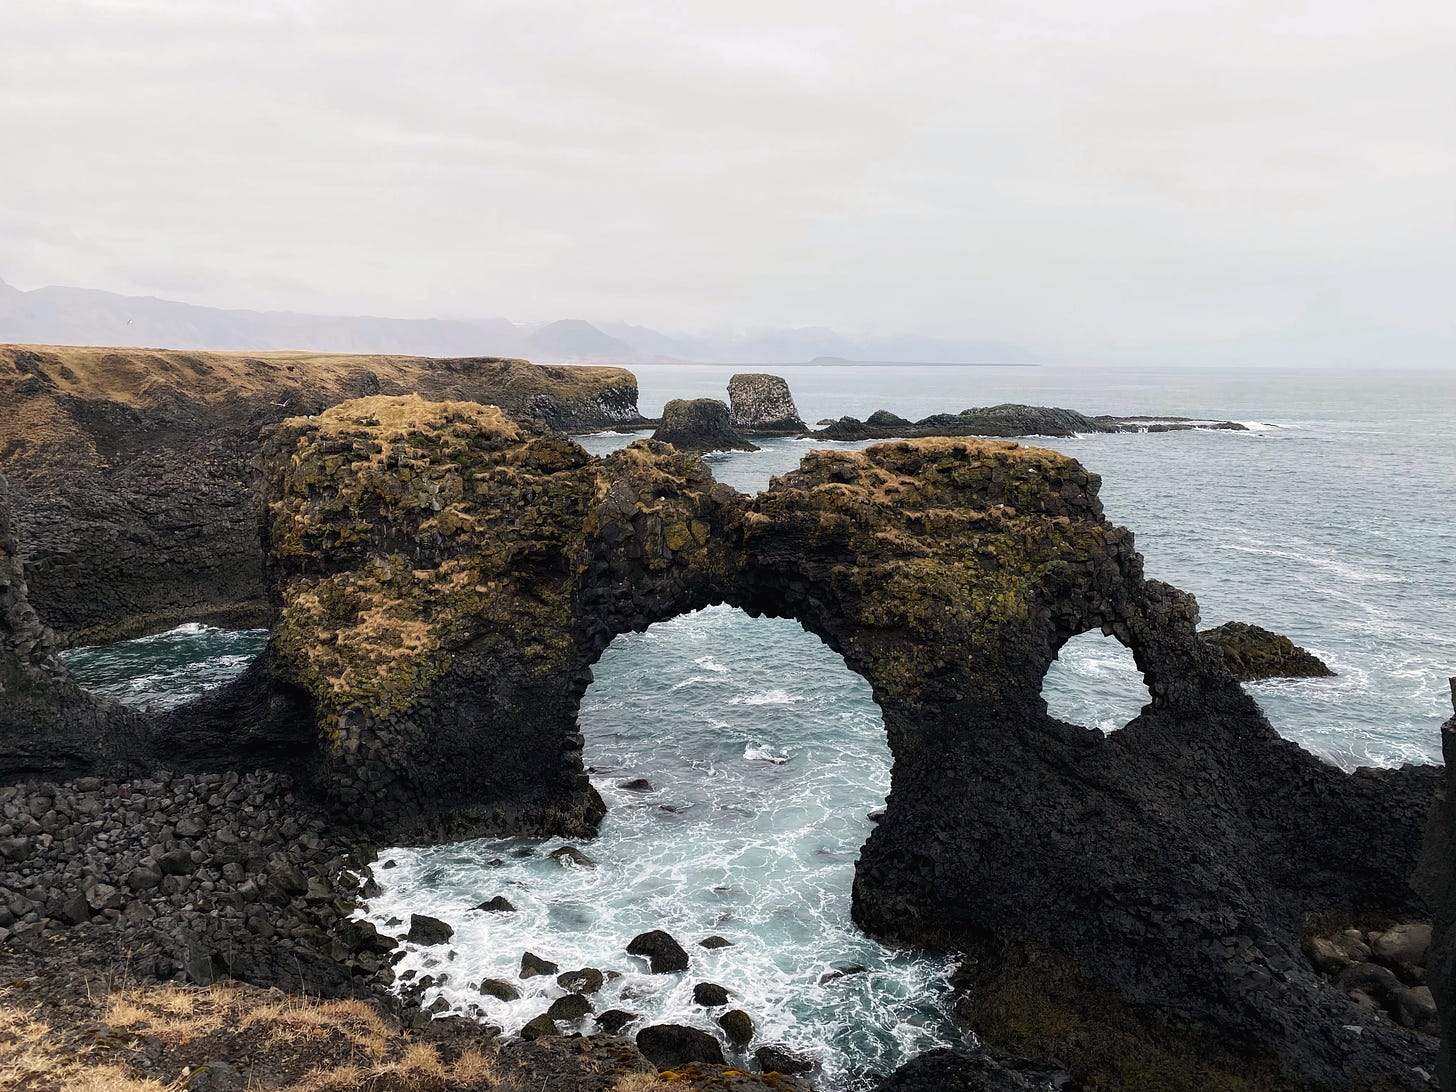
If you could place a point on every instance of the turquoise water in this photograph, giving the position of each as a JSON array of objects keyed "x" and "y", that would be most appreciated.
[{"x": 1331, "y": 521}]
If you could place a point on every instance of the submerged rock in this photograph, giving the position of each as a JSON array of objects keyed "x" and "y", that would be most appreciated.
[
  {"x": 1007, "y": 420},
  {"x": 761, "y": 405},
  {"x": 1253, "y": 652},
  {"x": 699, "y": 424},
  {"x": 570, "y": 855}
]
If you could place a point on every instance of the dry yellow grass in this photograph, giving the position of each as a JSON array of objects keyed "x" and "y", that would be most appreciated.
[
  {"x": 33, "y": 1057},
  {"x": 641, "y": 1082}
]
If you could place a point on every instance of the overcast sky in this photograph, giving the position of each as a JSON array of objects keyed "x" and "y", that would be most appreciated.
[{"x": 1081, "y": 177}]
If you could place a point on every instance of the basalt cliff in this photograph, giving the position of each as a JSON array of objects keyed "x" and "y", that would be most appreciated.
[
  {"x": 129, "y": 468},
  {"x": 442, "y": 576}
]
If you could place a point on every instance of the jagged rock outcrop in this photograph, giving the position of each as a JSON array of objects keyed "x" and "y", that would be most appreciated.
[
  {"x": 49, "y": 726},
  {"x": 762, "y": 405},
  {"x": 1252, "y": 652},
  {"x": 1133, "y": 902},
  {"x": 1007, "y": 419},
  {"x": 699, "y": 425},
  {"x": 1435, "y": 879},
  {"x": 132, "y": 492}
]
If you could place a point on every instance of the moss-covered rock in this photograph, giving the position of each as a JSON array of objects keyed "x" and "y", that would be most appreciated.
[{"x": 1252, "y": 652}]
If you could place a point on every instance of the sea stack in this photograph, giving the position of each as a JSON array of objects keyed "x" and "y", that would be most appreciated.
[
  {"x": 761, "y": 405},
  {"x": 699, "y": 424}
]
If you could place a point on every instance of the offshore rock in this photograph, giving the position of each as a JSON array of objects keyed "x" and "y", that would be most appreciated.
[
  {"x": 1435, "y": 879},
  {"x": 1007, "y": 419},
  {"x": 131, "y": 468},
  {"x": 1252, "y": 652},
  {"x": 699, "y": 424},
  {"x": 761, "y": 405},
  {"x": 1132, "y": 902}
]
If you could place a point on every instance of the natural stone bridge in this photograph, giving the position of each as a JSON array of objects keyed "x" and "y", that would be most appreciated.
[{"x": 444, "y": 578}]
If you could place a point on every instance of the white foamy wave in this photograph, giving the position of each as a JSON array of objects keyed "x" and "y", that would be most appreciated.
[
  {"x": 707, "y": 663},
  {"x": 766, "y": 697},
  {"x": 1259, "y": 426},
  {"x": 760, "y": 752}
]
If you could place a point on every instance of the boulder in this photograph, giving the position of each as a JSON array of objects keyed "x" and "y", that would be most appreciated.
[
  {"x": 533, "y": 966},
  {"x": 427, "y": 930},
  {"x": 715, "y": 941},
  {"x": 1416, "y": 1009},
  {"x": 738, "y": 1026},
  {"x": 503, "y": 991},
  {"x": 570, "y": 1008},
  {"x": 539, "y": 1028},
  {"x": 614, "y": 1020},
  {"x": 761, "y": 404},
  {"x": 699, "y": 424},
  {"x": 586, "y": 980},
  {"x": 1403, "y": 945},
  {"x": 570, "y": 856},
  {"x": 1252, "y": 652},
  {"x": 663, "y": 954},
  {"x": 709, "y": 994},
  {"x": 777, "y": 1058},
  {"x": 497, "y": 905},
  {"x": 668, "y": 1045}
]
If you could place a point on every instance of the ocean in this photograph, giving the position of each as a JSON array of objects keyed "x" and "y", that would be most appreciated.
[{"x": 1330, "y": 520}]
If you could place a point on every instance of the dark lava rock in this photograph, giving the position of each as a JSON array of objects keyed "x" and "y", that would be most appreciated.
[
  {"x": 586, "y": 980},
  {"x": 840, "y": 970},
  {"x": 570, "y": 855},
  {"x": 533, "y": 966},
  {"x": 709, "y": 994},
  {"x": 715, "y": 941},
  {"x": 776, "y": 1058},
  {"x": 427, "y": 930},
  {"x": 699, "y": 424},
  {"x": 569, "y": 1008},
  {"x": 662, "y": 953},
  {"x": 1416, "y": 1008},
  {"x": 614, "y": 1020},
  {"x": 75, "y": 910},
  {"x": 498, "y": 905},
  {"x": 761, "y": 404},
  {"x": 636, "y": 784},
  {"x": 504, "y": 991},
  {"x": 1252, "y": 652},
  {"x": 539, "y": 1028},
  {"x": 667, "y": 1045},
  {"x": 738, "y": 1026},
  {"x": 947, "y": 1069}
]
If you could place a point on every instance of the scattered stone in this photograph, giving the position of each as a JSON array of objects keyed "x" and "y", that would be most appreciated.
[
  {"x": 498, "y": 905},
  {"x": 427, "y": 930},
  {"x": 709, "y": 995},
  {"x": 1404, "y": 945},
  {"x": 663, "y": 954},
  {"x": 1416, "y": 1008},
  {"x": 502, "y": 991},
  {"x": 586, "y": 980},
  {"x": 614, "y": 1020},
  {"x": 539, "y": 1028},
  {"x": 75, "y": 910},
  {"x": 533, "y": 966},
  {"x": 570, "y": 1008},
  {"x": 569, "y": 855},
  {"x": 777, "y": 1058},
  {"x": 738, "y": 1026},
  {"x": 668, "y": 1045}
]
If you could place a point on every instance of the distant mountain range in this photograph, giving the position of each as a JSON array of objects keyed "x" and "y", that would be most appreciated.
[{"x": 82, "y": 316}]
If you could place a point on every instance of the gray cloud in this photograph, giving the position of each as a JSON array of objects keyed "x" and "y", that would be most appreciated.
[{"x": 1106, "y": 179}]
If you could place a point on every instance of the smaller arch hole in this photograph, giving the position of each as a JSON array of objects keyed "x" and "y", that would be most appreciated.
[{"x": 1094, "y": 681}]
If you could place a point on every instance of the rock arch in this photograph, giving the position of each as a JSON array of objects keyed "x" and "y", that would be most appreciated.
[{"x": 444, "y": 577}]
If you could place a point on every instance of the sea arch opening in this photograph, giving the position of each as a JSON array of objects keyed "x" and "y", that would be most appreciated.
[{"x": 1095, "y": 681}]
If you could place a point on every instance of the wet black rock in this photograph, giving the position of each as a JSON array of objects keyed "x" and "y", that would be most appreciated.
[
  {"x": 698, "y": 425},
  {"x": 571, "y": 856},
  {"x": 1008, "y": 420},
  {"x": 427, "y": 930},
  {"x": 668, "y": 1045},
  {"x": 586, "y": 980},
  {"x": 840, "y": 970},
  {"x": 709, "y": 994},
  {"x": 503, "y": 991},
  {"x": 614, "y": 1020},
  {"x": 533, "y": 966},
  {"x": 539, "y": 1028},
  {"x": 663, "y": 954},
  {"x": 777, "y": 1058},
  {"x": 497, "y": 905},
  {"x": 951, "y": 1070},
  {"x": 636, "y": 784},
  {"x": 715, "y": 941},
  {"x": 738, "y": 1026},
  {"x": 571, "y": 1007}
]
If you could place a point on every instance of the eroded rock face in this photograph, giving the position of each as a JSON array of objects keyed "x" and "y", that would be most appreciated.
[
  {"x": 446, "y": 578},
  {"x": 699, "y": 424},
  {"x": 1435, "y": 879},
  {"x": 132, "y": 489},
  {"x": 762, "y": 405},
  {"x": 1252, "y": 652}
]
